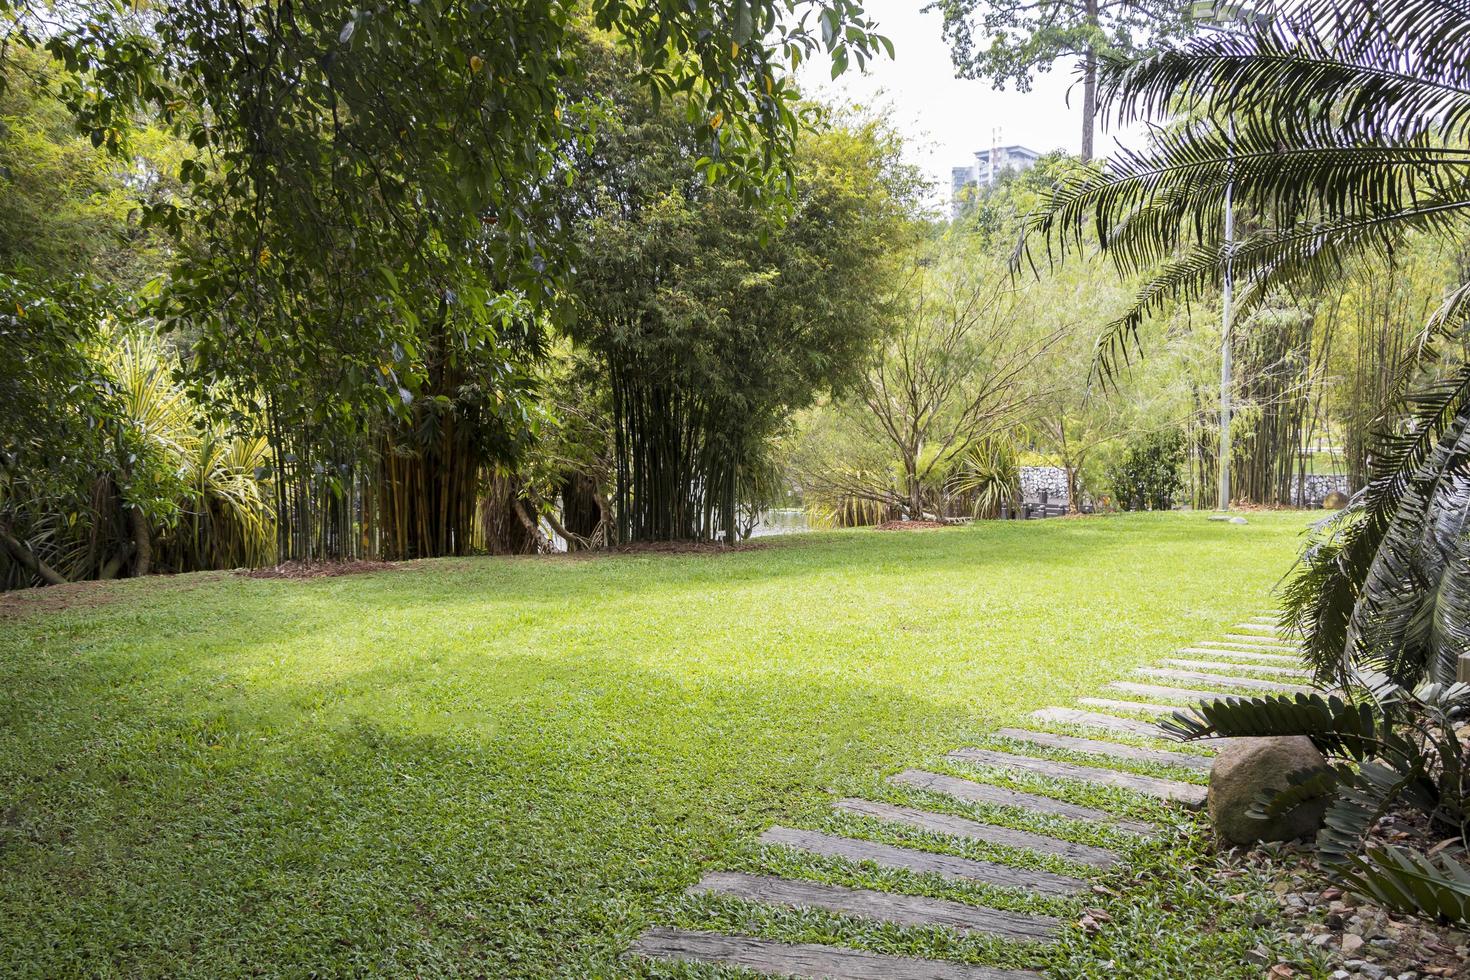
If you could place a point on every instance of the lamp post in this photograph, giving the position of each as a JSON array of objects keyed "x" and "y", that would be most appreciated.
[{"x": 1213, "y": 15}]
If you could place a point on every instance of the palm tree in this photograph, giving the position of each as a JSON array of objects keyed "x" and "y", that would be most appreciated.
[{"x": 1342, "y": 126}]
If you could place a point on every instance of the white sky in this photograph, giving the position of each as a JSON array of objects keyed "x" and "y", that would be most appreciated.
[{"x": 946, "y": 119}]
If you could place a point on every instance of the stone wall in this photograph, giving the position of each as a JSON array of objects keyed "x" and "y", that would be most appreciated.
[
  {"x": 1051, "y": 479},
  {"x": 1318, "y": 485}
]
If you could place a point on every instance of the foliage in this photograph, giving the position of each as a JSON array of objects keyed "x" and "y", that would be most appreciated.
[
  {"x": 1344, "y": 158},
  {"x": 52, "y": 391},
  {"x": 69, "y": 246},
  {"x": 67, "y": 208},
  {"x": 1011, "y": 40},
  {"x": 1394, "y": 747},
  {"x": 367, "y": 193},
  {"x": 1147, "y": 476},
  {"x": 954, "y": 370},
  {"x": 714, "y": 318},
  {"x": 162, "y": 485}
]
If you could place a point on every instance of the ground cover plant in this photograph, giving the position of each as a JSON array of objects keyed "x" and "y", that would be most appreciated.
[{"x": 511, "y": 766}]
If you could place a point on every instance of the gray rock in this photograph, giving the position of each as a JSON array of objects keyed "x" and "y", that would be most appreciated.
[
  {"x": 1247, "y": 767},
  {"x": 1239, "y": 520}
]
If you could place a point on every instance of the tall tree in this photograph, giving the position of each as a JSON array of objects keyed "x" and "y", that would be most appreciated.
[
  {"x": 715, "y": 318},
  {"x": 954, "y": 370},
  {"x": 1010, "y": 41}
]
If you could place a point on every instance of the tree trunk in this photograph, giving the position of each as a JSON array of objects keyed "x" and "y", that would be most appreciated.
[
  {"x": 27, "y": 559},
  {"x": 1089, "y": 88},
  {"x": 142, "y": 542},
  {"x": 916, "y": 501}
]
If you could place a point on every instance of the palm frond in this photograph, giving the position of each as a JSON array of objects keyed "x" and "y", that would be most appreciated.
[
  {"x": 1411, "y": 882},
  {"x": 1321, "y": 599},
  {"x": 1332, "y": 723},
  {"x": 1382, "y": 70}
]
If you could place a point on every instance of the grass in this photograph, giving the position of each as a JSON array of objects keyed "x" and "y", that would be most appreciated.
[{"x": 512, "y": 766}]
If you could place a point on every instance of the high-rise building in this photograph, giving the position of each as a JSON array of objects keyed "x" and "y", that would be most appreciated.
[{"x": 987, "y": 169}]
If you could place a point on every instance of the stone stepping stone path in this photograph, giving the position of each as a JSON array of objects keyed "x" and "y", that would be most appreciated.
[
  {"x": 1257, "y": 647},
  {"x": 966, "y": 828},
  {"x": 1112, "y": 750},
  {"x": 903, "y": 910},
  {"x": 1269, "y": 629},
  {"x": 806, "y": 959},
  {"x": 1265, "y": 642},
  {"x": 1164, "y": 789},
  {"x": 1219, "y": 665},
  {"x": 923, "y": 862},
  {"x": 1224, "y": 680},
  {"x": 970, "y": 791}
]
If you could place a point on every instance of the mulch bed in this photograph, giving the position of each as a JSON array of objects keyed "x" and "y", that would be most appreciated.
[
  {"x": 320, "y": 569},
  {"x": 680, "y": 548},
  {"x": 909, "y": 525}
]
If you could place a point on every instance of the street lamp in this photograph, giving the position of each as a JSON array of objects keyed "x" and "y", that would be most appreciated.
[
  {"x": 1214, "y": 16},
  {"x": 1211, "y": 15}
]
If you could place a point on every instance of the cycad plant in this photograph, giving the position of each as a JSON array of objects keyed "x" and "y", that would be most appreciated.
[
  {"x": 1339, "y": 127},
  {"x": 1392, "y": 748}
]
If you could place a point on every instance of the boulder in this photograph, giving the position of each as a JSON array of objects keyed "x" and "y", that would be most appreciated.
[
  {"x": 1247, "y": 767},
  {"x": 1336, "y": 500}
]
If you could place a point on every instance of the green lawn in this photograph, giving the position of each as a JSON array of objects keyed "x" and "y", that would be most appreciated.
[{"x": 511, "y": 766}]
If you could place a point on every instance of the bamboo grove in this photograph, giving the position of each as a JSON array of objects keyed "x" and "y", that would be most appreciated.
[{"x": 243, "y": 338}]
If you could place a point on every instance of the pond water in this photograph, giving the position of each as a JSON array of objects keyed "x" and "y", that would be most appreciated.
[{"x": 781, "y": 520}]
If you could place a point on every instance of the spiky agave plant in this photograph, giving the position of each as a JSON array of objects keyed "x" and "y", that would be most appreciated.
[
  {"x": 1341, "y": 126},
  {"x": 989, "y": 475}
]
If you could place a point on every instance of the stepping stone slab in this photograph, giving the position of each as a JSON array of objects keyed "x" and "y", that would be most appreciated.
[
  {"x": 944, "y": 823},
  {"x": 1210, "y": 747},
  {"x": 1115, "y": 705},
  {"x": 1252, "y": 683},
  {"x": 1164, "y": 789},
  {"x": 1262, "y": 641},
  {"x": 1267, "y": 628},
  {"x": 1281, "y": 651},
  {"x": 806, "y": 959},
  {"x": 908, "y": 859},
  {"x": 1222, "y": 665},
  {"x": 1179, "y": 693},
  {"x": 903, "y": 910},
  {"x": 1096, "y": 719},
  {"x": 1111, "y": 750},
  {"x": 1265, "y": 658},
  {"x": 972, "y": 792}
]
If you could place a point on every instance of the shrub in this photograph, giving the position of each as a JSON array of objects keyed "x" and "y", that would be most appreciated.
[{"x": 1147, "y": 475}]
